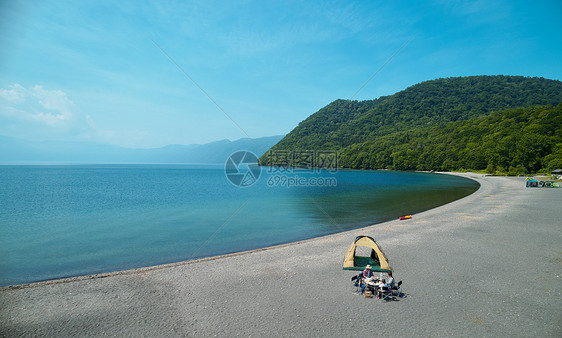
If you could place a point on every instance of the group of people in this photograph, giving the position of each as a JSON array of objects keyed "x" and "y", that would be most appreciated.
[{"x": 370, "y": 281}]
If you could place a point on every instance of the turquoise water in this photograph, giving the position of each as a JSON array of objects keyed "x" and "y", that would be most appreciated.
[{"x": 60, "y": 221}]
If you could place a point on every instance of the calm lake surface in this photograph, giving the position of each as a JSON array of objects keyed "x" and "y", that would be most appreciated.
[{"x": 61, "y": 221}]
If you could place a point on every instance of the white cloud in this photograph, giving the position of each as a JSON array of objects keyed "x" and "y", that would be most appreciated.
[
  {"x": 14, "y": 94},
  {"x": 53, "y": 99},
  {"x": 39, "y": 113},
  {"x": 47, "y": 107}
]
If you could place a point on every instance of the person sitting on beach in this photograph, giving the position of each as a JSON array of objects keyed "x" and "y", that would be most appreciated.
[
  {"x": 391, "y": 281},
  {"x": 367, "y": 273},
  {"x": 381, "y": 284}
]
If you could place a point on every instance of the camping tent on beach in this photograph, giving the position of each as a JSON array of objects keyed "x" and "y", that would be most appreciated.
[{"x": 376, "y": 259}]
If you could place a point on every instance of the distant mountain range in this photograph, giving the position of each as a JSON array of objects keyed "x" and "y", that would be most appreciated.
[{"x": 13, "y": 150}]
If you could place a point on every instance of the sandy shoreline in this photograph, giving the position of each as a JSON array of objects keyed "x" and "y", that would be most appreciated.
[{"x": 487, "y": 265}]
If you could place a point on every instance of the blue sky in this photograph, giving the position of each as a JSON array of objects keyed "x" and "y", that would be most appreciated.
[{"x": 90, "y": 71}]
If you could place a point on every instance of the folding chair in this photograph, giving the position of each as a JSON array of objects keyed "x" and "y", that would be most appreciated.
[
  {"x": 356, "y": 282},
  {"x": 386, "y": 293},
  {"x": 397, "y": 288}
]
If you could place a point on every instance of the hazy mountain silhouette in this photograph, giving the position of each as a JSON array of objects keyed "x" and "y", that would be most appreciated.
[{"x": 13, "y": 150}]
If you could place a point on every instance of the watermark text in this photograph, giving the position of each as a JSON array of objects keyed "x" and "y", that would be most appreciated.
[
  {"x": 312, "y": 161},
  {"x": 300, "y": 181}
]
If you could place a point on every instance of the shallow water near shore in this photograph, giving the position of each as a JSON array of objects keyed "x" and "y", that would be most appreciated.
[{"x": 61, "y": 221}]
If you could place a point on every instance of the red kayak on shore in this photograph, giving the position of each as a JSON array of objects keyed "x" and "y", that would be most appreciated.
[{"x": 405, "y": 217}]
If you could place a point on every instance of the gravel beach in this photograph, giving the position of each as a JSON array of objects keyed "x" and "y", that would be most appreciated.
[{"x": 486, "y": 265}]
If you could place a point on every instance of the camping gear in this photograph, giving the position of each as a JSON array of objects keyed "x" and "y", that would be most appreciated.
[
  {"x": 397, "y": 288},
  {"x": 541, "y": 184},
  {"x": 386, "y": 293},
  {"x": 376, "y": 259},
  {"x": 532, "y": 184},
  {"x": 356, "y": 283}
]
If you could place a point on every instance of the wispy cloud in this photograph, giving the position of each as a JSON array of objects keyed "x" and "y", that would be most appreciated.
[
  {"x": 42, "y": 113},
  {"x": 48, "y": 107},
  {"x": 478, "y": 12},
  {"x": 14, "y": 94}
]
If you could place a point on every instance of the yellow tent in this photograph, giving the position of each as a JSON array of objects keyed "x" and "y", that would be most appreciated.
[{"x": 377, "y": 259}]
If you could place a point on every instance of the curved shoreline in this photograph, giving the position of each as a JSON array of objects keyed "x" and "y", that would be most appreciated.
[
  {"x": 210, "y": 258},
  {"x": 489, "y": 264}
]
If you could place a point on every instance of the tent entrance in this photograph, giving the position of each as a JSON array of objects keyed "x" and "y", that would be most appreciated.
[
  {"x": 362, "y": 261},
  {"x": 365, "y": 255}
]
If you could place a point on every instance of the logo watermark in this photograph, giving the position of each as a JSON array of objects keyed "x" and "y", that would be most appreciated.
[
  {"x": 242, "y": 168},
  {"x": 300, "y": 181},
  {"x": 284, "y": 168},
  {"x": 312, "y": 161}
]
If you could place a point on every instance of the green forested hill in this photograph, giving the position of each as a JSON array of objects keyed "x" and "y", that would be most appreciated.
[
  {"x": 517, "y": 140},
  {"x": 414, "y": 128}
]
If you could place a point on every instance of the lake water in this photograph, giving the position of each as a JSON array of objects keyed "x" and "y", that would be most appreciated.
[{"x": 61, "y": 221}]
